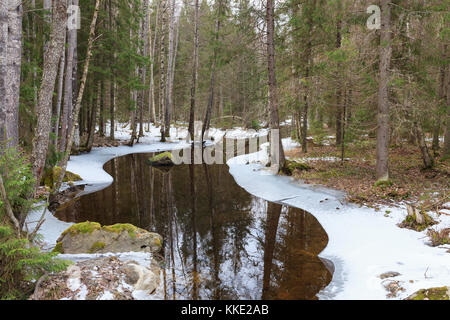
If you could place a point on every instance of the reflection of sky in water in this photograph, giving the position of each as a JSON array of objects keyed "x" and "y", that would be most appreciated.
[{"x": 245, "y": 245}]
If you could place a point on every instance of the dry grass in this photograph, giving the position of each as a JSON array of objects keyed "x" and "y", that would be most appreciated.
[
  {"x": 439, "y": 237},
  {"x": 357, "y": 175}
]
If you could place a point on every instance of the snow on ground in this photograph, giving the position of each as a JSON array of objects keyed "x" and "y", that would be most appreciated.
[
  {"x": 363, "y": 243},
  {"x": 177, "y": 133},
  {"x": 51, "y": 229},
  {"x": 142, "y": 258}
]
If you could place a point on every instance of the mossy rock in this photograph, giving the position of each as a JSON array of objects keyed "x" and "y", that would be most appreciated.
[
  {"x": 164, "y": 159},
  {"x": 291, "y": 166},
  {"x": 91, "y": 237},
  {"x": 84, "y": 227},
  {"x": 58, "y": 248},
  {"x": 51, "y": 175},
  {"x": 118, "y": 228},
  {"x": 441, "y": 293},
  {"x": 97, "y": 246}
]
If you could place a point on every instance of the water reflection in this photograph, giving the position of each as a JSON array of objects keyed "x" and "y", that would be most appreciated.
[{"x": 219, "y": 241}]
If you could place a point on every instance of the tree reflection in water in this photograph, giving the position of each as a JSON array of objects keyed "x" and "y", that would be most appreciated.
[{"x": 220, "y": 242}]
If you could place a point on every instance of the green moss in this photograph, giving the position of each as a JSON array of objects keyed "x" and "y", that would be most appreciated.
[
  {"x": 71, "y": 177},
  {"x": 158, "y": 242},
  {"x": 441, "y": 293},
  {"x": 58, "y": 248},
  {"x": 160, "y": 156},
  {"x": 291, "y": 166},
  {"x": 97, "y": 246},
  {"x": 84, "y": 227},
  {"x": 164, "y": 159},
  {"x": 383, "y": 183},
  {"x": 118, "y": 228},
  {"x": 51, "y": 175},
  {"x": 410, "y": 222}
]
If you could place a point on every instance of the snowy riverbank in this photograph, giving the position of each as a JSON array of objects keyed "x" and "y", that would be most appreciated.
[{"x": 363, "y": 243}]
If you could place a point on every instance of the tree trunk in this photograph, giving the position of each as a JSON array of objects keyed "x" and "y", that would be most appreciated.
[
  {"x": 151, "y": 98},
  {"x": 101, "y": 130},
  {"x": 306, "y": 95},
  {"x": 426, "y": 157},
  {"x": 3, "y": 69},
  {"x": 74, "y": 79},
  {"x": 50, "y": 71},
  {"x": 207, "y": 120},
  {"x": 145, "y": 33},
  {"x": 446, "y": 153},
  {"x": 442, "y": 100},
  {"x": 14, "y": 62},
  {"x": 339, "y": 117},
  {"x": 194, "y": 73},
  {"x": 112, "y": 107},
  {"x": 112, "y": 88},
  {"x": 93, "y": 117},
  {"x": 165, "y": 127},
  {"x": 162, "y": 80},
  {"x": 68, "y": 88},
  {"x": 62, "y": 65},
  {"x": 276, "y": 147},
  {"x": 79, "y": 97},
  {"x": 382, "y": 165},
  {"x": 172, "y": 76}
]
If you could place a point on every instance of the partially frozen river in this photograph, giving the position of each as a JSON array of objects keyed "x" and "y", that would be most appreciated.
[{"x": 220, "y": 242}]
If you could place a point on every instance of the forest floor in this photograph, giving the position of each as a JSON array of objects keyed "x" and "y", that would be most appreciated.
[{"x": 356, "y": 174}]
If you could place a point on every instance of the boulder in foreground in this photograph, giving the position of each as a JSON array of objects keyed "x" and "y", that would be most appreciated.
[{"x": 91, "y": 237}]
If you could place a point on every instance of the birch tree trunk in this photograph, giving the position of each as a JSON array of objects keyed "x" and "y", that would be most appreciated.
[
  {"x": 207, "y": 120},
  {"x": 50, "y": 71},
  {"x": 72, "y": 121},
  {"x": 144, "y": 71},
  {"x": 194, "y": 74},
  {"x": 14, "y": 62},
  {"x": 151, "y": 98},
  {"x": 168, "y": 107},
  {"x": 76, "y": 110},
  {"x": 3, "y": 68},
  {"x": 276, "y": 147},
  {"x": 134, "y": 92},
  {"x": 68, "y": 87},
  {"x": 162, "y": 69},
  {"x": 172, "y": 76},
  {"x": 382, "y": 166}
]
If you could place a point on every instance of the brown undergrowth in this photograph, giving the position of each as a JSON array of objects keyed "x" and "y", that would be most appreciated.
[{"x": 356, "y": 175}]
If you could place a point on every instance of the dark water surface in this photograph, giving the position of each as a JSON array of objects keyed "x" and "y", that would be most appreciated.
[{"x": 220, "y": 242}]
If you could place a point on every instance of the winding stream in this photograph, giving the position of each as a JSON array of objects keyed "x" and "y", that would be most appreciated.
[{"x": 220, "y": 242}]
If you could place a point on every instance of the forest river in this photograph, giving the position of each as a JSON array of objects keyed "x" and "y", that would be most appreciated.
[{"x": 220, "y": 242}]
